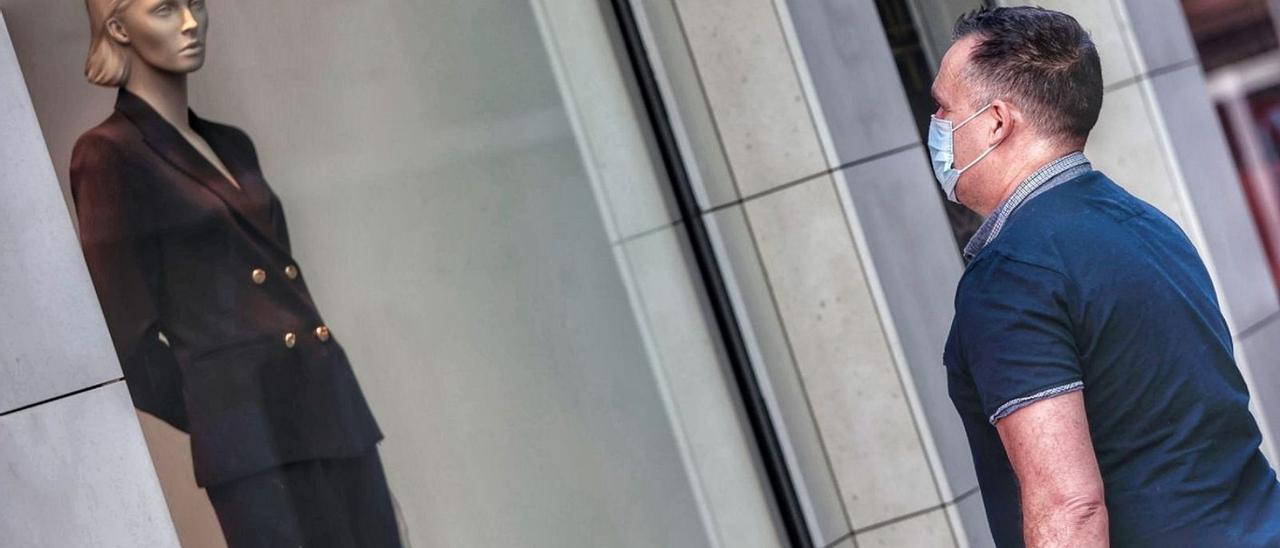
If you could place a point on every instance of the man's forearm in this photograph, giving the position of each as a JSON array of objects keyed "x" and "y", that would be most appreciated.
[
  {"x": 1061, "y": 489},
  {"x": 1074, "y": 522}
]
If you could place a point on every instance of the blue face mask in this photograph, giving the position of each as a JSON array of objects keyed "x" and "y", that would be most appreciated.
[{"x": 943, "y": 153}]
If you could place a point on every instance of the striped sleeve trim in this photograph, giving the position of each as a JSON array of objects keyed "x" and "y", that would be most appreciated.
[{"x": 1018, "y": 403}]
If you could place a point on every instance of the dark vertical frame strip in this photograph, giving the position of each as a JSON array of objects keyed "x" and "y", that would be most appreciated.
[{"x": 766, "y": 437}]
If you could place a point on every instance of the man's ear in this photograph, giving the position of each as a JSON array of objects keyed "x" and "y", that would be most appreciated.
[
  {"x": 1006, "y": 119},
  {"x": 115, "y": 29}
]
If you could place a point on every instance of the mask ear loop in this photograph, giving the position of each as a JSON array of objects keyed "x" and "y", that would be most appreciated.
[
  {"x": 972, "y": 116},
  {"x": 979, "y": 158},
  {"x": 984, "y": 154}
]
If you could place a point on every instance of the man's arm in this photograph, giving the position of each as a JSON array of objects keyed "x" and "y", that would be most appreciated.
[{"x": 1061, "y": 488}]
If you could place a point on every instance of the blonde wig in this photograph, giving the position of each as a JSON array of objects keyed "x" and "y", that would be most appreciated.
[{"x": 108, "y": 63}]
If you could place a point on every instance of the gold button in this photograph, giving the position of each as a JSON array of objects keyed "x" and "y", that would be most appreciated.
[
  {"x": 259, "y": 276},
  {"x": 290, "y": 339},
  {"x": 322, "y": 333},
  {"x": 291, "y": 271}
]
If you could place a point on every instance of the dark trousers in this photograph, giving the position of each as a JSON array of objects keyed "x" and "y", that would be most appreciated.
[{"x": 338, "y": 503}]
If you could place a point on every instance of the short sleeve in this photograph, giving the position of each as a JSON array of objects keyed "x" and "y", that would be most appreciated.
[
  {"x": 1015, "y": 334},
  {"x": 121, "y": 251}
]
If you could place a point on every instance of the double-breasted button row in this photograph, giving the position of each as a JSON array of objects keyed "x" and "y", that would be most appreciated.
[
  {"x": 321, "y": 332},
  {"x": 259, "y": 275}
]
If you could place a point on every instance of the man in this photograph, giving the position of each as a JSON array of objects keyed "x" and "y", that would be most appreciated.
[{"x": 1088, "y": 358}]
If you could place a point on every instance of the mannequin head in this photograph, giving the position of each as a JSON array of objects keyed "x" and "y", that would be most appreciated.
[{"x": 165, "y": 36}]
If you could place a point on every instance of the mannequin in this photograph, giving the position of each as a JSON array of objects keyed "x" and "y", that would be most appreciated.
[
  {"x": 160, "y": 58},
  {"x": 209, "y": 312}
]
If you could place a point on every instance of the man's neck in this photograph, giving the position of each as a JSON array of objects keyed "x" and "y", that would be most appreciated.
[
  {"x": 164, "y": 91},
  {"x": 1017, "y": 172}
]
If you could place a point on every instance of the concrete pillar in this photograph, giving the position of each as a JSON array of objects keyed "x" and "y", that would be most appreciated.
[
  {"x": 74, "y": 468},
  {"x": 812, "y": 174}
]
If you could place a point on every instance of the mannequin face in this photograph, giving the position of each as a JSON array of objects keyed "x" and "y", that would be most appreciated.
[{"x": 168, "y": 35}]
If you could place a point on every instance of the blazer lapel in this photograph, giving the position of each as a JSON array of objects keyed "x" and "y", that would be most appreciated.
[{"x": 162, "y": 137}]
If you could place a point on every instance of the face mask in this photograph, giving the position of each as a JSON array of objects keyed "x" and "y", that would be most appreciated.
[{"x": 942, "y": 152}]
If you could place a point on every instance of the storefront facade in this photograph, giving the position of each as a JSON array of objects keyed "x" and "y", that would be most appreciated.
[{"x": 657, "y": 273}]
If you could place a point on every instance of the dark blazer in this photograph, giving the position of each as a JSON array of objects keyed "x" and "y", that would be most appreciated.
[{"x": 175, "y": 250}]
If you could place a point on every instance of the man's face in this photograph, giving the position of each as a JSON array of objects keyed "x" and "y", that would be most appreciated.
[{"x": 955, "y": 98}]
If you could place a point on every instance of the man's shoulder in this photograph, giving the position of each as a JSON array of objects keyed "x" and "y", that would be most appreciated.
[
  {"x": 1078, "y": 204},
  {"x": 998, "y": 273},
  {"x": 1070, "y": 221}
]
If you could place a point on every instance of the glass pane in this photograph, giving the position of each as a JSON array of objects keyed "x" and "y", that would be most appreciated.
[{"x": 474, "y": 209}]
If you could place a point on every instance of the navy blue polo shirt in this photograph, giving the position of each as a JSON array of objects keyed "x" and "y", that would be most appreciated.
[{"x": 1089, "y": 288}]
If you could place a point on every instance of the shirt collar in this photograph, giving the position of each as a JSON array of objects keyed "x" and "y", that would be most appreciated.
[{"x": 1051, "y": 174}]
